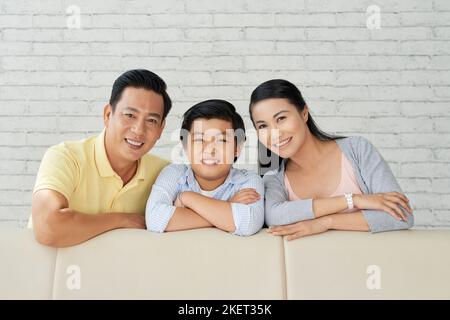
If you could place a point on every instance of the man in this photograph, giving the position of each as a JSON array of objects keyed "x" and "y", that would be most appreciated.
[{"x": 88, "y": 187}]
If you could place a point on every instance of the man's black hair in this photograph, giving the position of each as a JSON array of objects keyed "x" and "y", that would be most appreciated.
[{"x": 140, "y": 78}]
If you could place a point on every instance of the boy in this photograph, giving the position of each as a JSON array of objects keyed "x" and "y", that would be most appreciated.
[{"x": 209, "y": 192}]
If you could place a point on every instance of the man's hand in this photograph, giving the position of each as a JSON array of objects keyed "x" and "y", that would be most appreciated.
[
  {"x": 245, "y": 196},
  {"x": 133, "y": 220}
]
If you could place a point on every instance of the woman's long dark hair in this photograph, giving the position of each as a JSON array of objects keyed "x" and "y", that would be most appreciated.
[{"x": 283, "y": 89}]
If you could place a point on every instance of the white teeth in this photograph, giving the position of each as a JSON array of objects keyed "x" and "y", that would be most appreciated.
[
  {"x": 282, "y": 143},
  {"x": 134, "y": 143},
  {"x": 209, "y": 162}
]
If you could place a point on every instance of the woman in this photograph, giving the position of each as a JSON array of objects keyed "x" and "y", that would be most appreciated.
[{"x": 324, "y": 182}]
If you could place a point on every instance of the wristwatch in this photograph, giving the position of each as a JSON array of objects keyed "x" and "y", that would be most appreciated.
[{"x": 349, "y": 198}]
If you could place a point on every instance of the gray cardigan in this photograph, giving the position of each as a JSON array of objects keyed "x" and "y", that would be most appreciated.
[{"x": 372, "y": 173}]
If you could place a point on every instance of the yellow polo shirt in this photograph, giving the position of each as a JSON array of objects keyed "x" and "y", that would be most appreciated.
[{"x": 80, "y": 170}]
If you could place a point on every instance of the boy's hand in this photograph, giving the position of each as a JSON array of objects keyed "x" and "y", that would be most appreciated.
[
  {"x": 245, "y": 196},
  {"x": 177, "y": 202}
]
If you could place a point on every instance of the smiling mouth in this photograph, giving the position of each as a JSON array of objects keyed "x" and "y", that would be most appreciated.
[
  {"x": 210, "y": 162},
  {"x": 282, "y": 143},
  {"x": 133, "y": 143}
]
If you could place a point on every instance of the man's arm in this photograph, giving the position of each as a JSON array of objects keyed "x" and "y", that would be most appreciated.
[{"x": 57, "y": 226}]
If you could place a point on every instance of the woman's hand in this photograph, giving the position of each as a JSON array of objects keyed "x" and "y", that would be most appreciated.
[
  {"x": 245, "y": 196},
  {"x": 390, "y": 202},
  {"x": 301, "y": 229}
]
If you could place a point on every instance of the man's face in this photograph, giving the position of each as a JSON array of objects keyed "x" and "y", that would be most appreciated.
[{"x": 135, "y": 125}]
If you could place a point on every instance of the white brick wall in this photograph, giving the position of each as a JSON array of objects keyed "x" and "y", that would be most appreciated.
[{"x": 391, "y": 85}]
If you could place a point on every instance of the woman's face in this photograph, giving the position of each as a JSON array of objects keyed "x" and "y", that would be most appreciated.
[{"x": 281, "y": 128}]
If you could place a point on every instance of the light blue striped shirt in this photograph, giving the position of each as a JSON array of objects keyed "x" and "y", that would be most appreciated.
[{"x": 177, "y": 178}]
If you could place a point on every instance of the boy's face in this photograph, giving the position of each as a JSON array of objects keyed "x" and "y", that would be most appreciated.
[{"x": 211, "y": 148}]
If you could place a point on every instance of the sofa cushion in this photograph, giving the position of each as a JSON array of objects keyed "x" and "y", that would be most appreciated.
[
  {"x": 26, "y": 267},
  {"x": 195, "y": 264},
  {"x": 412, "y": 264}
]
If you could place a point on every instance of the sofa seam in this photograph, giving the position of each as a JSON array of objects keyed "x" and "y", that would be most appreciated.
[
  {"x": 285, "y": 284},
  {"x": 54, "y": 275}
]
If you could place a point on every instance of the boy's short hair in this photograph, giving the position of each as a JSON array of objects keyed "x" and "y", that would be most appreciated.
[{"x": 213, "y": 109}]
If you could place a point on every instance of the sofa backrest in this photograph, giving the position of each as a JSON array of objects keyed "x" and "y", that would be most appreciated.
[{"x": 211, "y": 264}]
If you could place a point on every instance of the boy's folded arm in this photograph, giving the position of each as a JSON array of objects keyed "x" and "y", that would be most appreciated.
[
  {"x": 158, "y": 214},
  {"x": 160, "y": 209},
  {"x": 241, "y": 219},
  {"x": 249, "y": 218},
  {"x": 161, "y": 215},
  {"x": 186, "y": 219},
  {"x": 217, "y": 212}
]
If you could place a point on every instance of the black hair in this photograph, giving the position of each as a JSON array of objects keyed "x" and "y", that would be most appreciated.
[
  {"x": 213, "y": 109},
  {"x": 279, "y": 88},
  {"x": 140, "y": 78}
]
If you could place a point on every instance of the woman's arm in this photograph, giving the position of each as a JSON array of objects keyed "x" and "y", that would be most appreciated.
[
  {"x": 278, "y": 209},
  {"x": 281, "y": 211},
  {"x": 384, "y": 208},
  {"x": 354, "y": 221},
  {"x": 379, "y": 178}
]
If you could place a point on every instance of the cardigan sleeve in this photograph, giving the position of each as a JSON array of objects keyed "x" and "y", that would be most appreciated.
[
  {"x": 279, "y": 210},
  {"x": 379, "y": 178}
]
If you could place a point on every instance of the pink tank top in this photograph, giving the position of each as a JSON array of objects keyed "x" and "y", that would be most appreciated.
[{"x": 348, "y": 183}]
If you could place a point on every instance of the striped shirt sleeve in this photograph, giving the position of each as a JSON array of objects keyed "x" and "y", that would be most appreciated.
[
  {"x": 249, "y": 219},
  {"x": 160, "y": 208}
]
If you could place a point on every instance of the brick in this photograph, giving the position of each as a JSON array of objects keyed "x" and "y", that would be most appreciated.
[
  {"x": 244, "y": 20},
  {"x": 12, "y": 167}
]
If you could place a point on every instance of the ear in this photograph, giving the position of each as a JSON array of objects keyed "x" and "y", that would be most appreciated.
[
  {"x": 305, "y": 113},
  {"x": 107, "y": 113},
  {"x": 238, "y": 149}
]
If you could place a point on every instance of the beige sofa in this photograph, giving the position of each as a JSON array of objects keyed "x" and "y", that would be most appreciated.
[{"x": 211, "y": 264}]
